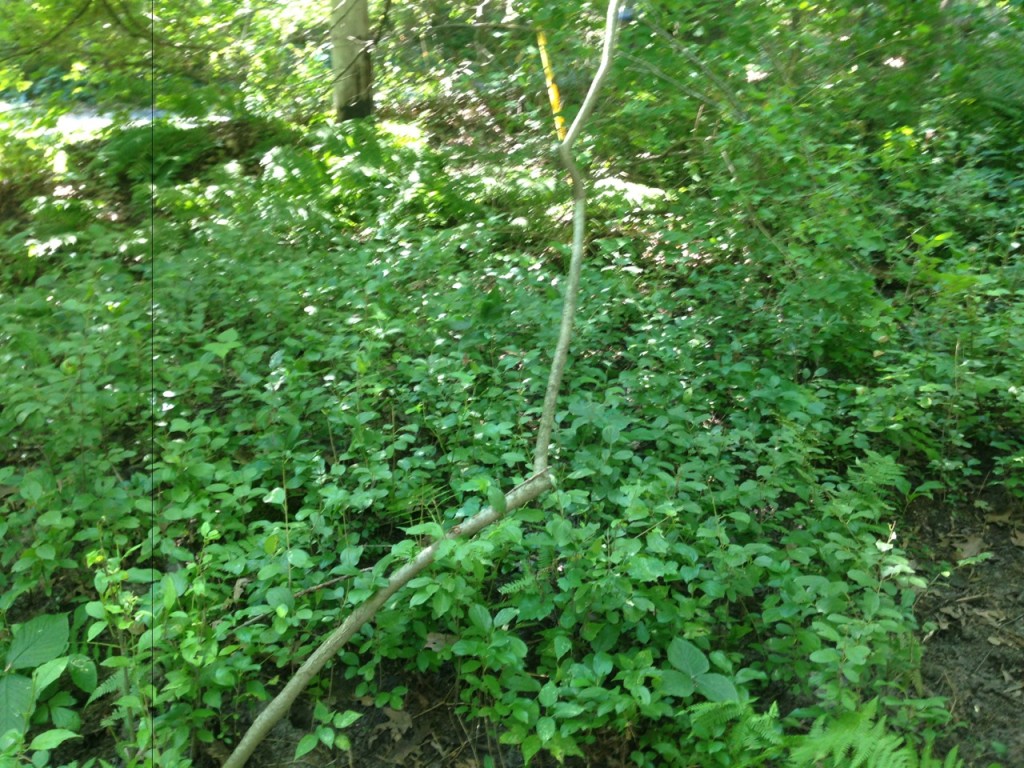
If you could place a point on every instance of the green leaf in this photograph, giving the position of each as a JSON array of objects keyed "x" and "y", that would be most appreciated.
[
  {"x": 37, "y": 641},
  {"x": 346, "y": 718},
  {"x": 858, "y": 654},
  {"x": 64, "y": 717},
  {"x": 321, "y": 711},
  {"x": 565, "y": 710},
  {"x": 531, "y": 746},
  {"x": 45, "y": 674},
  {"x": 490, "y": 306},
  {"x": 480, "y": 618},
  {"x": 275, "y": 497},
  {"x": 226, "y": 341},
  {"x": 602, "y": 664},
  {"x": 83, "y": 672},
  {"x": 117, "y": 662},
  {"x": 716, "y": 687},
  {"x": 298, "y": 558},
  {"x": 16, "y": 703},
  {"x": 686, "y": 657},
  {"x": 423, "y": 594},
  {"x": 468, "y": 647},
  {"x": 496, "y": 499},
  {"x": 505, "y": 616},
  {"x": 326, "y": 735},
  {"x": 271, "y": 543},
  {"x": 678, "y": 684},
  {"x": 548, "y": 694},
  {"x": 430, "y": 530},
  {"x": 30, "y": 489},
  {"x": 441, "y": 603},
  {"x": 280, "y": 596},
  {"x": 306, "y": 744},
  {"x": 562, "y": 646},
  {"x": 52, "y": 739},
  {"x": 826, "y": 656},
  {"x": 545, "y": 729},
  {"x": 644, "y": 568}
]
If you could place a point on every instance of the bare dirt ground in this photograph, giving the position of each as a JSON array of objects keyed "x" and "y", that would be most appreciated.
[{"x": 974, "y": 629}]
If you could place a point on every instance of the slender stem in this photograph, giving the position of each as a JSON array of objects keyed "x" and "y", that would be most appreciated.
[
  {"x": 519, "y": 496},
  {"x": 579, "y": 230}
]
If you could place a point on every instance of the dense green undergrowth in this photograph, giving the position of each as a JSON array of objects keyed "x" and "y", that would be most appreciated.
[{"x": 222, "y": 426}]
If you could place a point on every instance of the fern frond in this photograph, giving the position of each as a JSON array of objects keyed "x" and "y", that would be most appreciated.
[
  {"x": 858, "y": 740},
  {"x": 760, "y": 731},
  {"x": 108, "y": 686},
  {"x": 709, "y": 717},
  {"x": 519, "y": 585},
  {"x": 751, "y": 739}
]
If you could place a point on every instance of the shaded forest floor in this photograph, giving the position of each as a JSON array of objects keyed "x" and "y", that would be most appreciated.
[{"x": 974, "y": 624}]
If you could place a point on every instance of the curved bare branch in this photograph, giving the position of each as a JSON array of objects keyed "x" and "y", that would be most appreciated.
[
  {"x": 579, "y": 229},
  {"x": 519, "y": 496}
]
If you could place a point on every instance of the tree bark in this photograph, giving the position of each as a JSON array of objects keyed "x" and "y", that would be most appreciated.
[{"x": 350, "y": 59}]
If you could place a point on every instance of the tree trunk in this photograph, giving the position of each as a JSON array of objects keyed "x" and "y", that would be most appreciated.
[{"x": 350, "y": 59}]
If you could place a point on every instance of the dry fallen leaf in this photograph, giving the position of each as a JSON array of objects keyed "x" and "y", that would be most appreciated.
[
  {"x": 953, "y": 612},
  {"x": 239, "y": 590},
  {"x": 437, "y": 640},
  {"x": 401, "y": 721},
  {"x": 1017, "y": 538},
  {"x": 969, "y": 547},
  {"x": 991, "y": 616},
  {"x": 1002, "y": 518}
]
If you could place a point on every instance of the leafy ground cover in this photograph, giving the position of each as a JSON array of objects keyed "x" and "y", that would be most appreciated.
[{"x": 245, "y": 376}]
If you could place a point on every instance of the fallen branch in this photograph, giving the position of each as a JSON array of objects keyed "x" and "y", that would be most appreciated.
[{"x": 519, "y": 496}]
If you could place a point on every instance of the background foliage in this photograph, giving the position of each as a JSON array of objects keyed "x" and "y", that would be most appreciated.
[{"x": 801, "y": 314}]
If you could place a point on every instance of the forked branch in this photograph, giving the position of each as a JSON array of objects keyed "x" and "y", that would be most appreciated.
[{"x": 539, "y": 482}]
